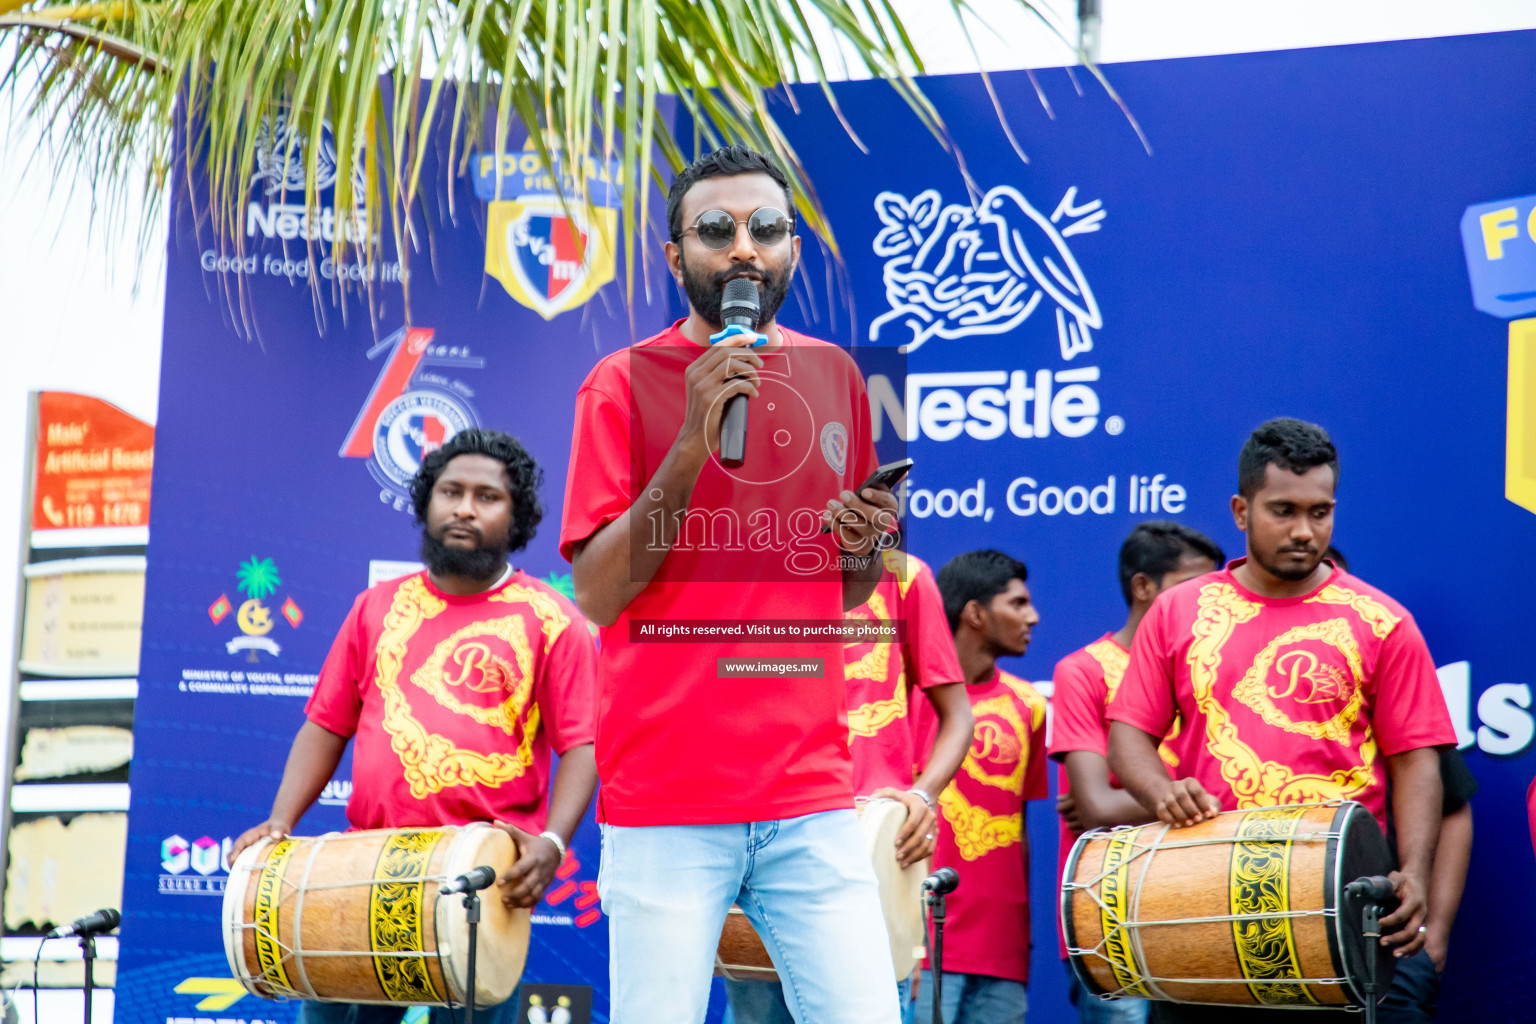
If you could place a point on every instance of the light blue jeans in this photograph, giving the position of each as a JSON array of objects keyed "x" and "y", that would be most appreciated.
[
  {"x": 806, "y": 885},
  {"x": 973, "y": 999},
  {"x": 762, "y": 1002}
]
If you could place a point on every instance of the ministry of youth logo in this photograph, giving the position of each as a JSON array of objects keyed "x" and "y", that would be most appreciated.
[{"x": 955, "y": 271}]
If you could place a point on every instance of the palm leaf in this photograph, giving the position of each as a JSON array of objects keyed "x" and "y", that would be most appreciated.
[{"x": 582, "y": 78}]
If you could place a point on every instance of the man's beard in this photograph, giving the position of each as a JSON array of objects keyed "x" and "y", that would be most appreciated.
[
  {"x": 706, "y": 295},
  {"x": 1291, "y": 574},
  {"x": 478, "y": 563}
]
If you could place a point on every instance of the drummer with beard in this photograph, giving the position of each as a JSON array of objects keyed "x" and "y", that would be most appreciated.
[
  {"x": 1295, "y": 682},
  {"x": 723, "y": 750},
  {"x": 479, "y": 628}
]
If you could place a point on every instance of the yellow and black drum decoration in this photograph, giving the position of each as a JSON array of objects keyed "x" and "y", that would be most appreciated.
[
  {"x": 1246, "y": 909},
  {"x": 356, "y": 917}
]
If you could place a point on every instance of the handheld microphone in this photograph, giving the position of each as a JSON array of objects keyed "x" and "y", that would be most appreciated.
[
  {"x": 470, "y": 881},
  {"x": 942, "y": 881},
  {"x": 740, "y": 307},
  {"x": 91, "y": 924},
  {"x": 1371, "y": 889}
]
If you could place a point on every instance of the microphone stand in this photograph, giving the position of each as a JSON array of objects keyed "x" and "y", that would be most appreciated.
[
  {"x": 1370, "y": 916},
  {"x": 88, "y": 954},
  {"x": 472, "y": 915},
  {"x": 935, "y": 901}
]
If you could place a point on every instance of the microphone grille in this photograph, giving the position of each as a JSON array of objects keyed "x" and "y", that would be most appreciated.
[{"x": 740, "y": 293}]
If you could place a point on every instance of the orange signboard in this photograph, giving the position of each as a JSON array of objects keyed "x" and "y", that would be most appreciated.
[{"x": 93, "y": 464}]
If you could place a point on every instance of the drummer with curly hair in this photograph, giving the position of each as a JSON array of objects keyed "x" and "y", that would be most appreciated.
[
  {"x": 1295, "y": 682},
  {"x": 486, "y": 636}
]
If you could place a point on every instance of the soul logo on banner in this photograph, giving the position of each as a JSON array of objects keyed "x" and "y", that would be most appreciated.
[{"x": 550, "y": 256}]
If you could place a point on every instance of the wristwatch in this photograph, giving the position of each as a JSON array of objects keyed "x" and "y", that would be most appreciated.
[{"x": 923, "y": 793}]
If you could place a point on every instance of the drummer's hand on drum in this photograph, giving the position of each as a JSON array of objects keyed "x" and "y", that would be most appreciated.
[
  {"x": 1409, "y": 914},
  {"x": 523, "y": 884},
  {"x": 268, "y": 829},
  {"x": 914, "y": 840},
  {"x": 1185, "y": 802}
]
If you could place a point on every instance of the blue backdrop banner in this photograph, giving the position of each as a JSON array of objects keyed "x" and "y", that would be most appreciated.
[{"x": 1065, "y": 347}]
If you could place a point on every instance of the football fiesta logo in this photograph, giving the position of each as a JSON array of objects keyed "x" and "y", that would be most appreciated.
[{"x": 549, "y": 255}]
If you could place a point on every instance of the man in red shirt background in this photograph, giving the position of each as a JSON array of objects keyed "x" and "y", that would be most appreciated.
[
  {"x": 455, "y": 684},
  {"x": 1155, "y": 557},
  {"x": 981, "y": 813},
  {"x": 1292, "y": 680},
  {"x": 882, "y": 679},
  {"x": 722, "y": 745}
]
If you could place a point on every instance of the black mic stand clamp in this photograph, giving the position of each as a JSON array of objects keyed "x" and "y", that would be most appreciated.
[
  {"x": 471, "y": 915},
  {"x": 1370, "y": 922}
]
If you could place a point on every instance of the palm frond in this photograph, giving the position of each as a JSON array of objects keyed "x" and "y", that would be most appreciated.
[{"x": 366, "y": 84}]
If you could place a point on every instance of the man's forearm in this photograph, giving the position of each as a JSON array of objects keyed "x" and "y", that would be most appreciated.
[
  {"x": 1133, "y": 758},
  {"x": 312, "y": 761},
  {"x": 1416, "y": 800},
  {"x": 610, "y": 569},
  {"x": 957, "y": 727},
  {"x": 571, "y": 790},
  {"x": 1449, "y": 877},
  {"x": 861, "y": 574}
]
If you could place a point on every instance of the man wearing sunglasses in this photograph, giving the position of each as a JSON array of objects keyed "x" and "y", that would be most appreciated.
[{"x": 722, "y": 736}]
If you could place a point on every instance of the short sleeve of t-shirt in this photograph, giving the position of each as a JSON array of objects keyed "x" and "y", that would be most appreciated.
[
  {"x": 336, "y": 702},
  {"x": 937, "y": 664},
  {"x": 1146, "y": 698},
  {"x": 1457, "y": 783},
  {"x": 1077, "y": 701},
  {"x": 1409, "y": 706},
  {"x": 598, "y": 488},
  {"x": 1035, "y": 785},
  {"x": 567, "y": 689}
]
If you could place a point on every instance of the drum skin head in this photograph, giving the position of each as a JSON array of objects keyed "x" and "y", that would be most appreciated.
[
  {"x": 504, "y": 931},
  {"x": 901, "y": 889},
  {"x": 1365, "y": 853}
]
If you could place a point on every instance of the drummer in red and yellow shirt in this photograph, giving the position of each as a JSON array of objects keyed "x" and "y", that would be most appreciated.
[
  {"x": 455, "y": 684},
  {"x": 1295, "y": 681},
  {"x": 981, "y": 813}
]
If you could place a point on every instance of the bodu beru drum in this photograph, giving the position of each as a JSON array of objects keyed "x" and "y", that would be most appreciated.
[
  {"x": 356, "y": 917},
  {"x": 1246, "y": 909},
  {"x": 741, "y": 955}
]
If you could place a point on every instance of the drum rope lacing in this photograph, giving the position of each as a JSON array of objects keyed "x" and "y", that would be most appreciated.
[{"x": 1132, "y": 928}]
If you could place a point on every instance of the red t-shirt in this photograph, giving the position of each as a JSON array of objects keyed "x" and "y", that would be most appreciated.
[
  {"x": 454, "y": 702},
  {"x": 678, "y": 742},
  {"x": 1284, "y": 700},
  {"x": 981, "y": 829},
  {"x": 1085, "y": 682},
  {"x": 881, "y": 678}
]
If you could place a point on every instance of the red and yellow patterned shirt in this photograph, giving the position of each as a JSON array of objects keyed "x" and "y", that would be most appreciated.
[
  {"x": 454, "y": 702},
  {"x": 981, "y": 829},
  {"x": 881, "y": 678},
  {"x": 1284, "y": 700}
]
